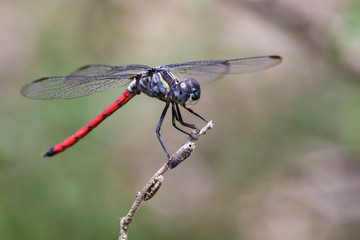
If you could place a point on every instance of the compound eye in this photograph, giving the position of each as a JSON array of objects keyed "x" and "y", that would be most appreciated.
[{"x": 184, "y": 87}]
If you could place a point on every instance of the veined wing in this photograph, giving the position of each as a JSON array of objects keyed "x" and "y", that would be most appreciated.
[
  {"x": 100, "y": 69},
  {"x": 206, "y": 71},
  {"x": 84, "y": 81}
]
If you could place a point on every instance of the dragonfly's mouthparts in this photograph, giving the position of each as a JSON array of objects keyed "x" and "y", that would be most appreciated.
[{"x": 195, "y": 94}]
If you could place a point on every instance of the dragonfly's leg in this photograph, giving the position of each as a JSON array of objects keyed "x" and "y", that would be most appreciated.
[
  {"x": 179, "y": 118},
  {"x": 190, "y": 110},
  {"x": 158, "y": 127},
  {"x": 176, "y": 117}
]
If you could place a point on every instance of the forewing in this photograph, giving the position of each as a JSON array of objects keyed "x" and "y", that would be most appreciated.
[
  {"x": 84, "y": 81},
  {"x": 206, "y": 71},
  {"x": 99, "y": 69},
  {"x": 72, "y": 86}
]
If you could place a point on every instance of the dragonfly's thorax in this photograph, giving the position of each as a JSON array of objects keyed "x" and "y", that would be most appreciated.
[
  {"x": 161, "y": 83},
  {"x": 158, "y": 83}
]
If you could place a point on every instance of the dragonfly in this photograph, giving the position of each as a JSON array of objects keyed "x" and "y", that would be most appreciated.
[{"x": 175, "y": 84}]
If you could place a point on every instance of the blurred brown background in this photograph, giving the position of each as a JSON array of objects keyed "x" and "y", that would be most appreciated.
[{"x": 282, "y": 162}]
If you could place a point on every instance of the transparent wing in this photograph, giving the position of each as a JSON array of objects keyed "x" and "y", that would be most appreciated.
[
  {"x": 72, "y": 86},
  {"x": 84, "y": 81},
  {"x": 206, "y": 71},
  {"x": 99, "y": 69}
]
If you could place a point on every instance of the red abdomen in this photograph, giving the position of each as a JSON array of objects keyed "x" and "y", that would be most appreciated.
[{"x": 124, "y": 98}]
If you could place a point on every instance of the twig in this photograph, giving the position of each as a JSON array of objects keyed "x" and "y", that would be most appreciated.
[{"x": 155, "y": 181}]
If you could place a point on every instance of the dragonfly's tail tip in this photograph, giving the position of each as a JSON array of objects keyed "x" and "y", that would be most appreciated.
[{"x": 49, "y": 153}]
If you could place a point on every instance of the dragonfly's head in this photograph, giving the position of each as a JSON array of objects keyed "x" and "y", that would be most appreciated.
[{"x": 187, "y": 92}]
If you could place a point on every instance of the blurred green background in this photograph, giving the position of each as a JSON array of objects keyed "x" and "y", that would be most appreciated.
[{"x": 283, "y": 161}]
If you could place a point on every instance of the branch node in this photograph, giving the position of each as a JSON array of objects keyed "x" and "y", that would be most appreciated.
[
  {"x": 153, "y": 188},
  {"x": 180, "y": 155}
]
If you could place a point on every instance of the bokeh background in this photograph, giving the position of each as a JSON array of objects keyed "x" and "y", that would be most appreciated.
[{"x": 283, "y": 161}]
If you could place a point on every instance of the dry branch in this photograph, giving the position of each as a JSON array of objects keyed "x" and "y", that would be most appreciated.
[{"x": 155, "y": 181}]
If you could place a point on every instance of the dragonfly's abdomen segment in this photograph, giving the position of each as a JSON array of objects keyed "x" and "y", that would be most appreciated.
[{"x": 124, "y": 98}]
